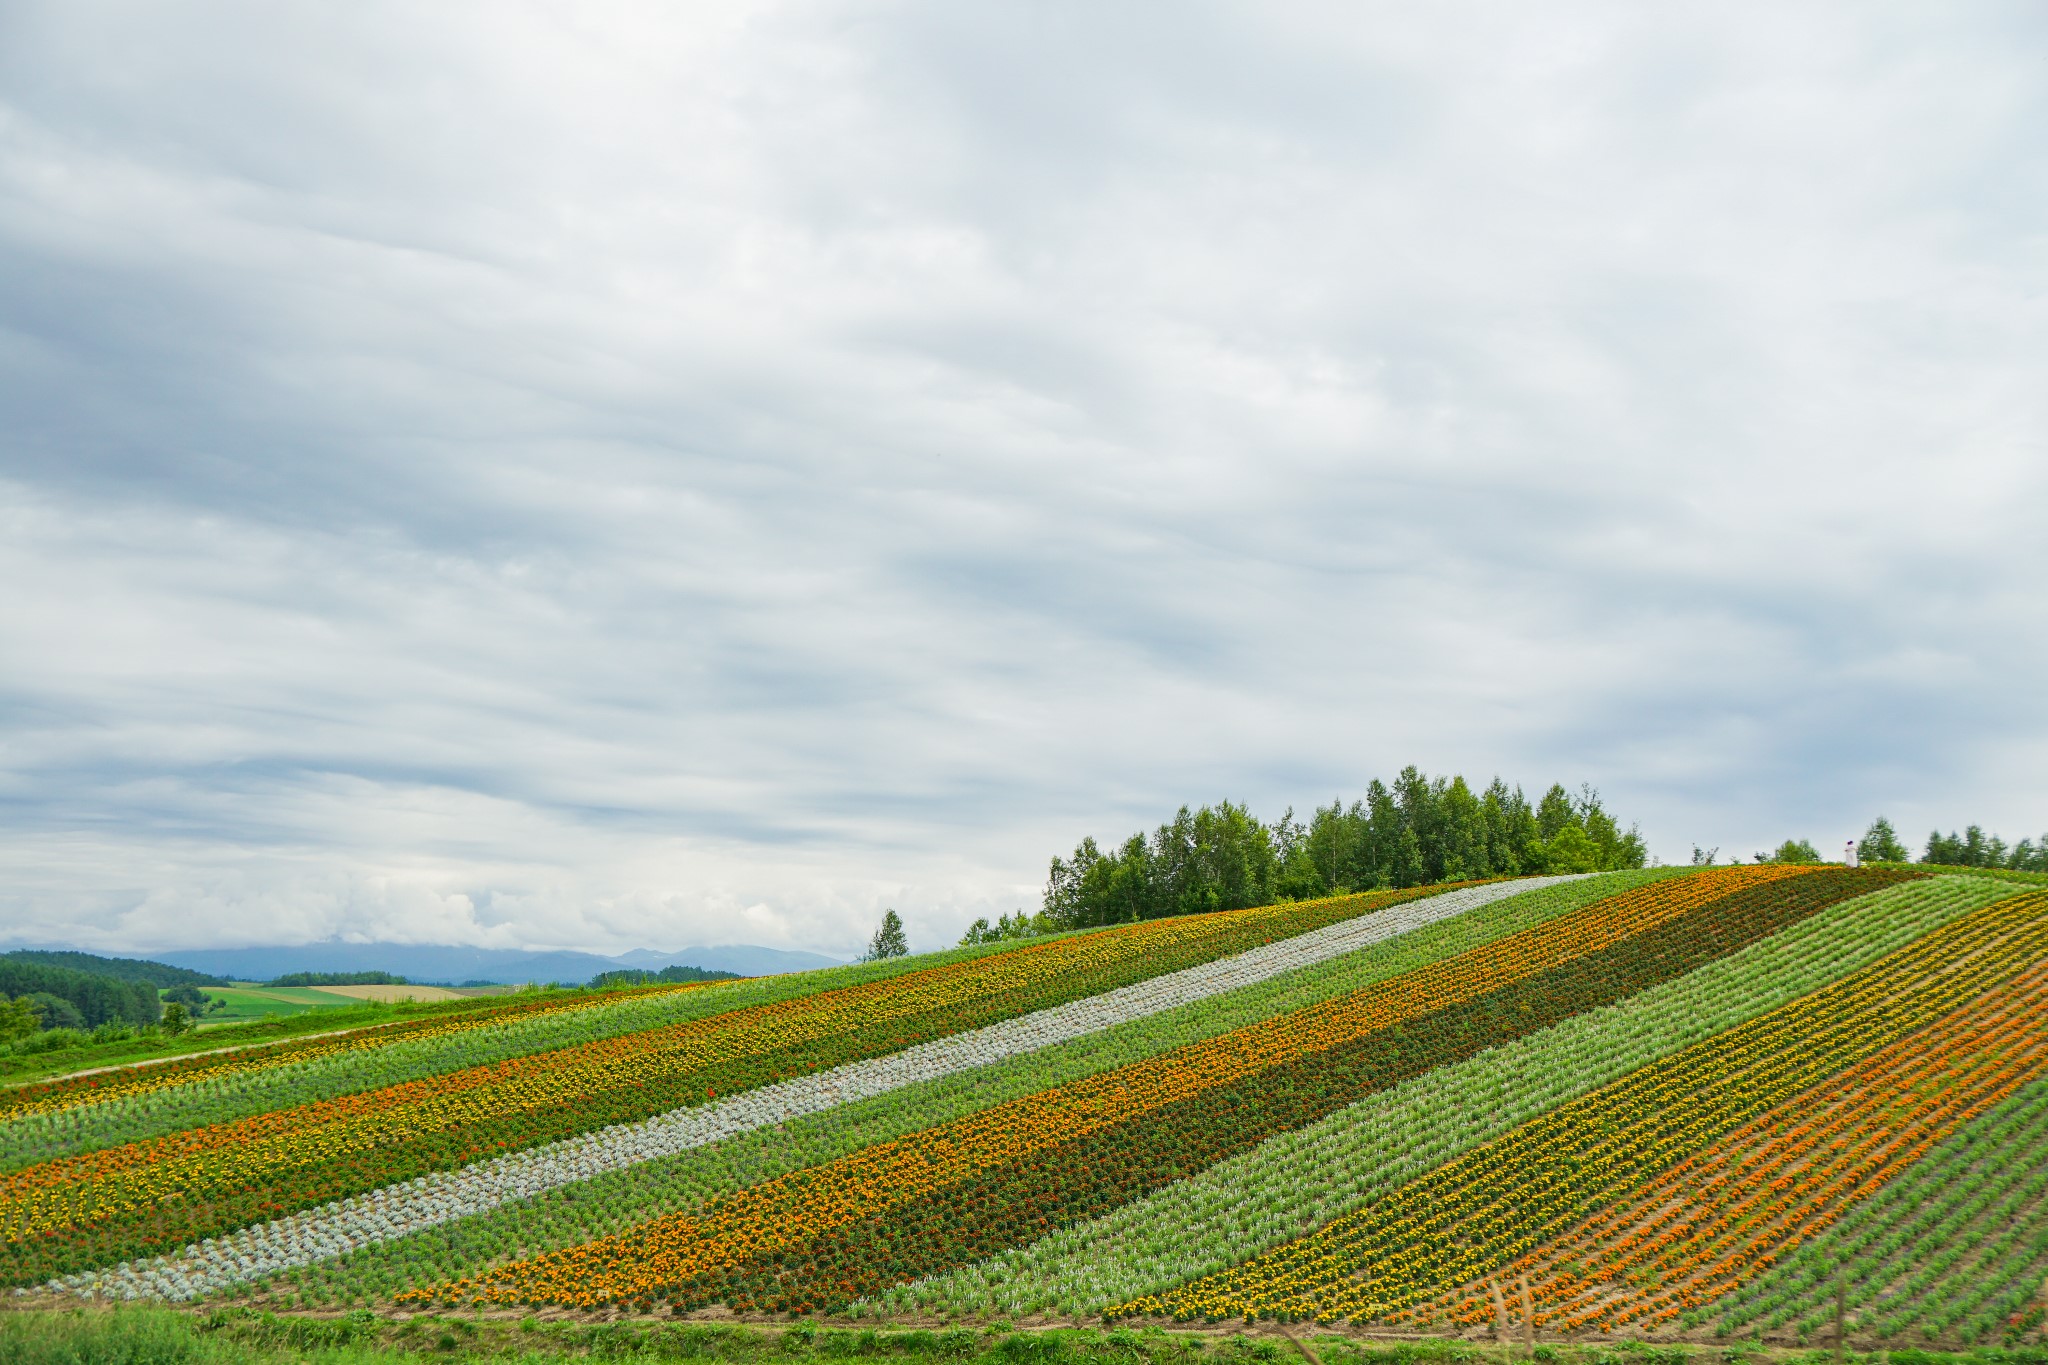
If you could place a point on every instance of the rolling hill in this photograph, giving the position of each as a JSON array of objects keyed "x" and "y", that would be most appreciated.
[{"x": 1667, "y": 1103}]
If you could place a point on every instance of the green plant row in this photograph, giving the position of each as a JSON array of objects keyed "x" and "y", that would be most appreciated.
[
  {"x": 1955, "y": 1247},
  {"x": 1311, "y": 1176},
  {"x": 608, "y": 1203}
]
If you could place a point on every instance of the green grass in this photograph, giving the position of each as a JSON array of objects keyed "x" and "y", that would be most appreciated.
[
  {"x": 157, "y": 1336},
  {"x": 247, "y": 1003}
]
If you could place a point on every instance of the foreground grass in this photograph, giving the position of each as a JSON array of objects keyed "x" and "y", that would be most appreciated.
[{"x": 161, "y": 1336}]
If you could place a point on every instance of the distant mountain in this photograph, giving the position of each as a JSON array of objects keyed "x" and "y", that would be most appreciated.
[{"x": 437, "y": 962}]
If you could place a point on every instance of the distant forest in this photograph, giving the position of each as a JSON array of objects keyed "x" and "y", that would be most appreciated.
[
  {"x": 632, "y": 976},
  {"x": 1414, "y": 831},
  {"x": 338, "y": 979}
]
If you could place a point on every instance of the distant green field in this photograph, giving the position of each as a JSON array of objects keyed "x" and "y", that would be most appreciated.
[{"x": 247, "y": 1002}]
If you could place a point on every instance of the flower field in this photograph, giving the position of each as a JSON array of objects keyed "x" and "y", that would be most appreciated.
[
  {"x": 1315, "y": 1174},
  {"x": 1382, "y": 946},
  {"x": 113, "y": 1203},
  {"x": 1677, "y": 1101},
  {"x": 1477, "y": 1215},
  {"x": 829, "y": 1235}
]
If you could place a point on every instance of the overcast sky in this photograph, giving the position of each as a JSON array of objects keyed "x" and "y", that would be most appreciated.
[{"x": 628, "y": 475}]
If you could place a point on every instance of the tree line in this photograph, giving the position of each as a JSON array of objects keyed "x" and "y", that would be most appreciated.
[
  {"x": 338, "y": 979},
  {"x": 1972, "y": 848},
  {"x": 1414, "y": 831}
]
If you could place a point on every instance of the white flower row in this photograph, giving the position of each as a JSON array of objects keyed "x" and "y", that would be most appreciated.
[{"x": 381, "y": 1215}]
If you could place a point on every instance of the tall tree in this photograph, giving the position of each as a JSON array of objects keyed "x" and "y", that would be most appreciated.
[
  {"x": 888, "y": 940},
  {"x": 1880, "y": 844}
]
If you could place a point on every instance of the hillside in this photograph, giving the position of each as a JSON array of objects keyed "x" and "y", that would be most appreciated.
[
  {"x": 158, "y": 974},
  {"x": 1673, "y": 1102}
]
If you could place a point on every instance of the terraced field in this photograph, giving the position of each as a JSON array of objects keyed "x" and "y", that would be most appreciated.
[{"x": 1682, "y": 1102}]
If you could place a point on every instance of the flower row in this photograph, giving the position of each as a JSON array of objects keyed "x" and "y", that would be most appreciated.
[
  {"x": 1718, "y": 1218},
  {"x": 1953, "y": 1244},
  {"x": 1500, "y": 1201},
  {"x": 99, "y": 1087}
]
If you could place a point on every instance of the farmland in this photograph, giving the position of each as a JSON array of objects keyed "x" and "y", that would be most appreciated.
[{"x": 1680, "y": 1104}]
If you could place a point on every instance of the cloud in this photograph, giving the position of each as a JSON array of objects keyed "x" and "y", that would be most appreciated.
[{"x": 594, "y": 478}]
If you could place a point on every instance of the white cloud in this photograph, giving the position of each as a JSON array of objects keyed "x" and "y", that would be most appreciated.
[{"x": 603, "y": 477}]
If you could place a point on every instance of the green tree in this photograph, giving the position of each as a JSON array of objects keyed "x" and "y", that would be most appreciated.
[
  {"x": 1972, "y": 848},
  {"x": 55, "y": 1011},
  {"x": 1414, "y": 831},
  {"x": 1007, "y": 927},
  {"x": 175, "y": 1020},
  {"x": 1791, "y": 851},
  {"x": 1571, "y": 850},
  {"x": 18, "y": 1018},
  {"x": 888, "y": 941},
  {"x": 1880, "y": 844}
]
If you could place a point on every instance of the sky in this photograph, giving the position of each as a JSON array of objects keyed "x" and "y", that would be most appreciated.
[{"x": 615, "y": 475}]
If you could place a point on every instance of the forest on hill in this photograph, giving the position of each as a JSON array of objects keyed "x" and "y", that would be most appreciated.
[{"x": 1414, "y": 831}]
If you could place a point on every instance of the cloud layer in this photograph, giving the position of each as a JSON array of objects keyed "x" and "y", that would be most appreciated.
[{"x": 610, "y": 476}]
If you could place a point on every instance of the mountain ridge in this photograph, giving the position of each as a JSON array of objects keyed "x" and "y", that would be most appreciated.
[{"x": 427, "y": 963}]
